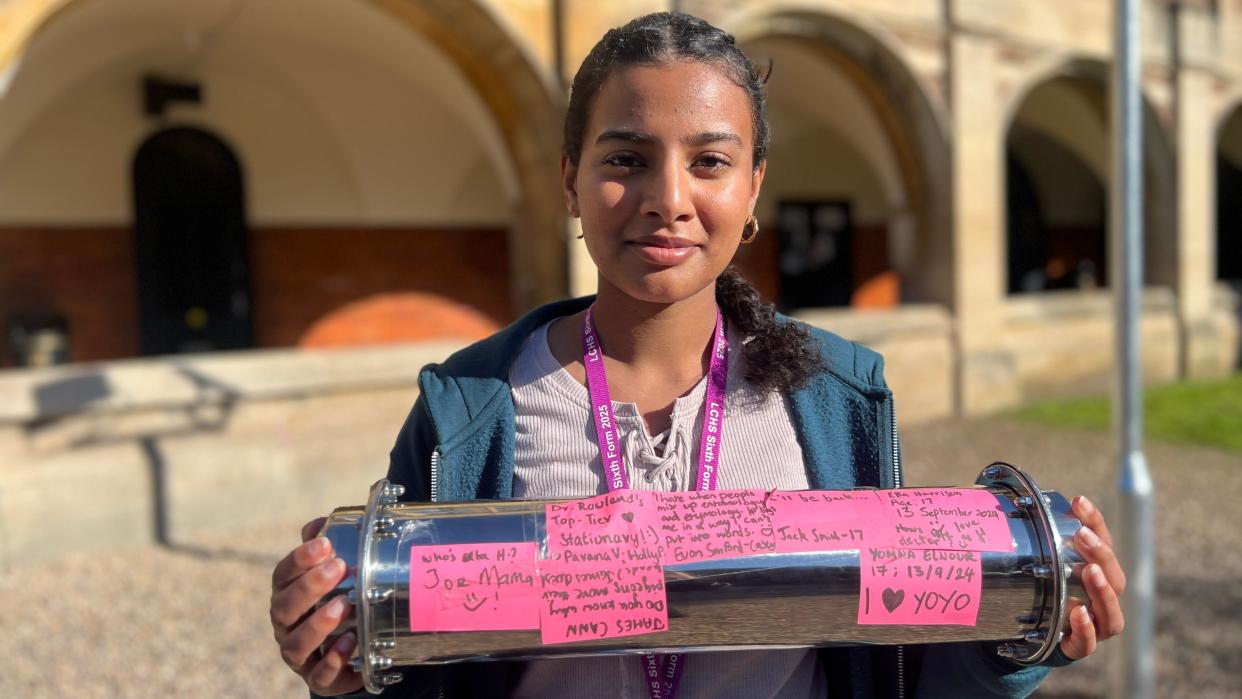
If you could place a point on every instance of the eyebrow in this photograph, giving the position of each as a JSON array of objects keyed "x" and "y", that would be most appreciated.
[{"x": 699, "y": 139}]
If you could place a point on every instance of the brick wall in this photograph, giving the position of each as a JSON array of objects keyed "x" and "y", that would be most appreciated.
[
  {"x": 298, "y": 276},
  {"x": 87, "y": 275}
]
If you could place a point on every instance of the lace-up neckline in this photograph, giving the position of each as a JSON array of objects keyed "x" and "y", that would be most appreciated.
[{"x": 673, "y": 461}]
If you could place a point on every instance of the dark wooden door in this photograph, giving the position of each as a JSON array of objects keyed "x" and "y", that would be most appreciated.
[{"x": 190, "y": 232}]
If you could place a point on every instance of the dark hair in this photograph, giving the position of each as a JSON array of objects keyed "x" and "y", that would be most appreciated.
[
  {"x": 780, "y": 355},
  {"x": 657, "y": 38}
]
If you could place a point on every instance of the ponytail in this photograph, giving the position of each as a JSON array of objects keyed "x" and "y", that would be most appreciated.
[{"x": 780, "y": 356}]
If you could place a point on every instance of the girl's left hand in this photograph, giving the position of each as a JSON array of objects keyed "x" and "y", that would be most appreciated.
[{"x": 1104, "y": 580}]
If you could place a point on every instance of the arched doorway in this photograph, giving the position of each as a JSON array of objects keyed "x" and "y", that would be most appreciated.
[
  {"x": 1229, "y": 199},
  {"x": 855, "y": 201},
  {"x": 385, "y": 144},
  {"x": 190, "y": 241},
  {"x": 1056, "y": 175}
]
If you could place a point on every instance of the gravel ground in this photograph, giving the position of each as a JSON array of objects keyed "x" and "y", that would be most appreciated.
[{"x": 191, "y": 621}]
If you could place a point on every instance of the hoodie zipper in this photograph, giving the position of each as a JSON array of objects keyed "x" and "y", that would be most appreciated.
[
  {"x": 434, "y": 487},
  {"x": 898, "y": 481},
  {"x": 435, "y": 474}
]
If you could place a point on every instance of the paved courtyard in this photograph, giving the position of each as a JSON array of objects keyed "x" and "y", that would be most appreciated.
[{"x": 191, "y": 621}]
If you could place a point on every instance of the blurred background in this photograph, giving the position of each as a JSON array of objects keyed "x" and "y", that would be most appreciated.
[{"x": 232, "y": 231}]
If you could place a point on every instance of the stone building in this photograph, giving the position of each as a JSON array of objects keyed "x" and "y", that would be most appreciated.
[{"x": 221, "y": 174}]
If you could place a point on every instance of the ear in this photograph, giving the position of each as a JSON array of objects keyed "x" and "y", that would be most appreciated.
[
  {"x": 569, "y": 185},
  {"x": 756, "y": 182}
]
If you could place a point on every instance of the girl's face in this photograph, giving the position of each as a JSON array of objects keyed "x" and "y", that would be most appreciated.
[{"x": 665, "y": 182}]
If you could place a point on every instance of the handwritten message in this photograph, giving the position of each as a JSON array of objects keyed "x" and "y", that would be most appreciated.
[
  {"x": 923, "y": 587},
  {"x": 602, "y": 574},
  {"x": 825, "y": 520},
  {"x": 707, "y": 525},
  {"x": 586, "y": 602},
  {"x": 474, "y": 587},
  {"x": 966, "y": 519},
  {"x": 609, "y": 530}
]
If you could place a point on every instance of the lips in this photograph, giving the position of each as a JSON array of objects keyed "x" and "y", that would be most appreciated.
[{"x": 662, "y": 250}]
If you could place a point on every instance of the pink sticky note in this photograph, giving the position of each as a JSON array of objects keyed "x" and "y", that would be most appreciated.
[
  {"x": 474, "y": 587},
  {"x": 919, "y": 587},
  {"x": 582, "y": 602},
  {"x": 708, "y": 525},
  {"x": 610, "y": 529},
  {"x": 829, "y": 520},
  {"x": 966, "y": 519}
]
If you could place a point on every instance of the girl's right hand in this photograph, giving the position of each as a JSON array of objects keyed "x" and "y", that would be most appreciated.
[{"x": 300, "y": 580}]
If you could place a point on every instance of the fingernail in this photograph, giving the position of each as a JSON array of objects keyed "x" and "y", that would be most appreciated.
[
  {"x": 317, "y": 546},
  {"x": 1085, "y": 504},
  {"x": 345, "y": 644},
  {"x": 1089, "y": 537},
  {"x": 1097, "y": 576},
  {"x": 336, "y": 608},
  {"x": 333, "y": 568},
  {"x": 1083, "y": 615}
]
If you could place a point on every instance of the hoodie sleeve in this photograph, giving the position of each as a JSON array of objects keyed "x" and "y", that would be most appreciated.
[
  {"x": 974, "y": 670},
  {"x": 971, "y": 669},
  {"x": 409, "y": 462}
]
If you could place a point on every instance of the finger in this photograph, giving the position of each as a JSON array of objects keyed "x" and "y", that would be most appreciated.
[
  {"x": 290, "y": 603},
  {"x": 304, "y": 639},
  {"x": 1095, "y": 550},
  {"x": 333, "y": 675},
  {"x": 1090, "y": 515},
  {"x": 1081, "y": 641},
  {"x": 1105, "y": 607},
  {"x": 312, "y": 528},
  {"x": 300, "y": 560}
]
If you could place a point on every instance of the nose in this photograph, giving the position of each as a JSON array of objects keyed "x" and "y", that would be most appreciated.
[{"x": 667, "y": 195}]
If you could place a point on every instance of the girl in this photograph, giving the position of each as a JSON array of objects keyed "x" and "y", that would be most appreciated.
[{"x": 664, "y": 156}]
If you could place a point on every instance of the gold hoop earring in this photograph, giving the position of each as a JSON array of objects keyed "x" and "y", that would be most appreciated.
[{"x": 751, "y": 230}]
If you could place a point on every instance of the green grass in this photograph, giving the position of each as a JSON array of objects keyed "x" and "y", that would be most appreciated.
[{"x": 1207, "y": 413}]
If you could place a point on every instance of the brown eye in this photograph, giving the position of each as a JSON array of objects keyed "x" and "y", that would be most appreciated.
[
  {"x": 622, "y": 160},
  {"x": 712, "y": 162}
]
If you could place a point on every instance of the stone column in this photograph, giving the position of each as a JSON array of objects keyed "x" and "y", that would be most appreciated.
[
  {"x": 986, "y": 376},
  {"x": 1202, "y": 345}
]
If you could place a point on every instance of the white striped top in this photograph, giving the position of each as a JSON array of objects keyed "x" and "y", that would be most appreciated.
[{"x": 557, "y": 456}]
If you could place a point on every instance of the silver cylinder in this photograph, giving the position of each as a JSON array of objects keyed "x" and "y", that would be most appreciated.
[{"x": 776, "y": 600}]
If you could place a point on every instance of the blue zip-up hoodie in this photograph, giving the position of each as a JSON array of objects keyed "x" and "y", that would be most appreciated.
[{"x": 458, "y": 444}]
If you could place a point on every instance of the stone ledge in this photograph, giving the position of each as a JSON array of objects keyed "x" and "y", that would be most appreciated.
[
  {"x": 1073, "y": 303},
  {"x": 919, "y": 356},
  {"x": 192, "y": 381},
  {"x": 880, "y": 325}
]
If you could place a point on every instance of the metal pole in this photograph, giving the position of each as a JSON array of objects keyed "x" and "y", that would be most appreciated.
[{"x": 1133, "y": 674}]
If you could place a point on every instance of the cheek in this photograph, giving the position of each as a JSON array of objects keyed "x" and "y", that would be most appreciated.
[
  {"x": 724, "y": 210},
  {"x": 603, "y": 202}
]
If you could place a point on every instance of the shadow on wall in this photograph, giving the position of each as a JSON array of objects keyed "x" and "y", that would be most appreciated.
[{"x": 210, "y": 411}]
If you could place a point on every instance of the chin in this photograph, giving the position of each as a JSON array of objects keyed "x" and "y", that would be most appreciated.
[{"x": 664, "y": 287}]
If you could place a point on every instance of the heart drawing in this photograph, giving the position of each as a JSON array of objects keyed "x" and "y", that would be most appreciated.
[
  {"x": 893, "y": 598},
  {"x": 627, "y": 516}
]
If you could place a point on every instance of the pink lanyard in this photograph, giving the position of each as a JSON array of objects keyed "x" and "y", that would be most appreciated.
[{"x": 670, "y": 666}]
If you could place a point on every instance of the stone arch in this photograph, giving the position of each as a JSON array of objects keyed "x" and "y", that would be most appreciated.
[
  {"x": 1088, "y": 79},
  {"x": 910, "y": 117},
  {"x": 521, "y": 97},
  {"x": 1228, "y": 147}
]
